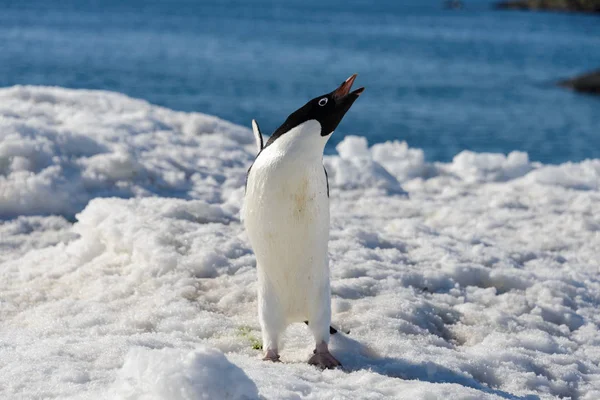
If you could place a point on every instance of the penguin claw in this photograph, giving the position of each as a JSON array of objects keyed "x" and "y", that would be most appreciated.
[{"x": 324, "y": 360}]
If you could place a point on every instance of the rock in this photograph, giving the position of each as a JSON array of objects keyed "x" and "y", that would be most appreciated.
[
  {"x": 588, "y": 6},
  {"x": 453, "y": 4},
  {"x": 588, "y": 83}
]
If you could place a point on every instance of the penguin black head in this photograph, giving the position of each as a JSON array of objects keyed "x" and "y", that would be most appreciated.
[{"x": 328, "y": 110}]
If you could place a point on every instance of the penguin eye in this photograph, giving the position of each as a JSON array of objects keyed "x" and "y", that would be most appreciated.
[{"x": 323, "y": 101}]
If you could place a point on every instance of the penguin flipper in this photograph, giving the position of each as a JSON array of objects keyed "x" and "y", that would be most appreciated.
[{"x": 258, "y": 138}]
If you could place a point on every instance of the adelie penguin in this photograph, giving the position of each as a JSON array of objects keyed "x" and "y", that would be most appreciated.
[{"x": 286, "y": 215}]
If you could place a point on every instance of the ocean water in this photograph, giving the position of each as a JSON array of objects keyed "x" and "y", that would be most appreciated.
[{"x": 443, "y": 80}]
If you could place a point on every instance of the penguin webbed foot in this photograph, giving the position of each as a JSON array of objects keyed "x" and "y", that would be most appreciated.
[
  {"x": 271, "y": 355},
  {"x": 323, "y": 359}
]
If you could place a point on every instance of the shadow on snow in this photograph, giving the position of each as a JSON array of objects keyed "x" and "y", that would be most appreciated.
[{"x": 356, "y": 356}]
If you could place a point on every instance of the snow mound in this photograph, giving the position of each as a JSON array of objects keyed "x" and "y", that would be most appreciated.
[
  {"x": 488, "y": 167},
  {"x": 385, "y": 165},
  {"x": 60, "y": 148},
  {"x": 202, "y": 374},
  {"x": 118, "y": 227},
  {"x": 401, "y": 161},
  {"x": 581, "y": 176},
  {"x": 355, "y": 168}
]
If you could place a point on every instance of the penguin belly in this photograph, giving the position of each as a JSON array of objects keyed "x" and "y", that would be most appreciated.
[{"x": 286, "y": 214}]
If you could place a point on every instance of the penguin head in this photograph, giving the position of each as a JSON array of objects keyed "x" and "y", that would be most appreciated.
[{"x": 322, "y": 114}]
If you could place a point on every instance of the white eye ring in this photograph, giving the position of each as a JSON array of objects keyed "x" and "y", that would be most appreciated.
[{"x": 323, "y": 101}]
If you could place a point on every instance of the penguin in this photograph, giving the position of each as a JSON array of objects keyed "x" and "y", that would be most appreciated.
[{"x": 286, "y": 217}]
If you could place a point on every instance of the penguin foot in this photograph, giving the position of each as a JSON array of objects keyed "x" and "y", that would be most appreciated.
[
  {"x": 323, "y": 359},
  {"x": 271, "y": 355}
]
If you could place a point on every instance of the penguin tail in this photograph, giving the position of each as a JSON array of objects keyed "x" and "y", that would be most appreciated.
[
  {"x": 258, "y": 138},
  {"x": 332, "y": 330}
]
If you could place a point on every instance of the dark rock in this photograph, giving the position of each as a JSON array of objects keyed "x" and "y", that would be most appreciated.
[
  {"x": 587, "y": 83},
  {"x": 588, "y": 6},
  {"x": 453, "y": 4}
]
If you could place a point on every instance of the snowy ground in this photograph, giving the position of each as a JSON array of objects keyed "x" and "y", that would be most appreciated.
[{"x": 481, "y": 283}]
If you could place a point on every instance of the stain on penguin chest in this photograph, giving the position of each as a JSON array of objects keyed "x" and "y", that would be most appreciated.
[
  {"x": 301, "y": 196},
  {"x": 303, "y": 199}
]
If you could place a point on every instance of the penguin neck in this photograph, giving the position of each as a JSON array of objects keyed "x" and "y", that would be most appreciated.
[{"x": 301, "y": 143}]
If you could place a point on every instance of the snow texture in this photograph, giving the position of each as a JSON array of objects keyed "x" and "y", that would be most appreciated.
[{"x": 125, "y": 271}]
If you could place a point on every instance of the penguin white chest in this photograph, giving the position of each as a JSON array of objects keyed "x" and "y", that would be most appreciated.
[
  {"x": 286, "y": 214},
  {"x": 287, "y": 220}
]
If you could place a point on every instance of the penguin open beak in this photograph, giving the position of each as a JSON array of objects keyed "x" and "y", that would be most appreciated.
[
  {"x": 343, "y": 99},
  {"x": 345, "y": 87}
]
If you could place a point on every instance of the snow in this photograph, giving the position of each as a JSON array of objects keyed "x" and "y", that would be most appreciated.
[
  {"x": 125, "y": 271},
  {"x": 204, "y": 373}
]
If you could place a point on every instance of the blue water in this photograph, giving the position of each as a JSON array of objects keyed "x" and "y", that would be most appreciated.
[{"x": 442, "y": 80}]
